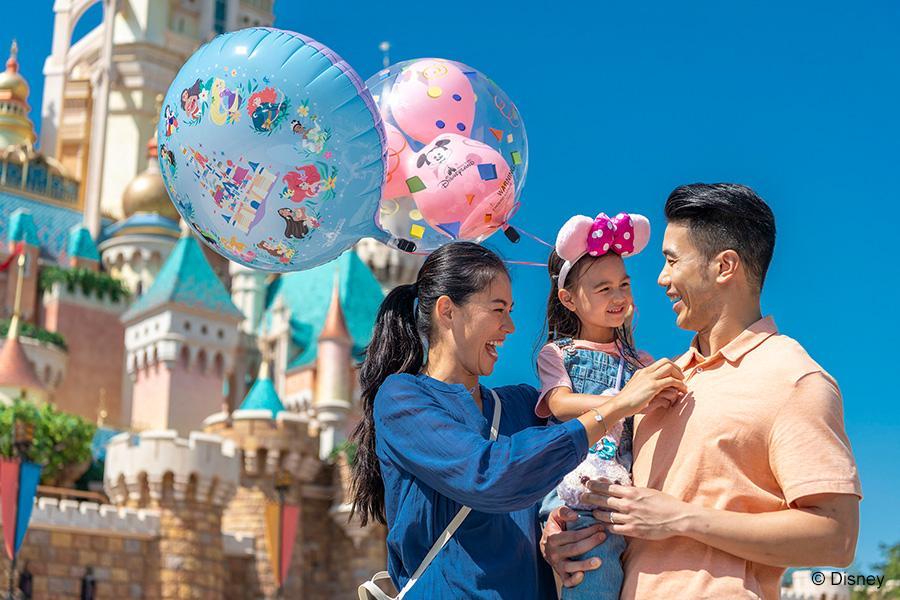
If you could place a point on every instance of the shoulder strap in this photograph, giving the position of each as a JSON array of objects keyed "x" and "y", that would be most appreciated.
[{"x": 460, "y": 516}]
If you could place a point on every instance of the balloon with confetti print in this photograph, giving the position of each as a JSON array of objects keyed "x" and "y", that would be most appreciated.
[
  {"x": 273, "y": 150},
  {"x": 440, "y": 116}
]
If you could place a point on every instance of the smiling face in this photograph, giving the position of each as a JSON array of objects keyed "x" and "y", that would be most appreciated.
[
  {"x": 689, "y": 280},
  {"x": 600, "y": 294},
  {"x": 483, "y": 323}
]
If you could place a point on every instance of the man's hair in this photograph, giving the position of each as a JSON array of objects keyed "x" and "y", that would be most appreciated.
[{"x": 726, "y": 216}]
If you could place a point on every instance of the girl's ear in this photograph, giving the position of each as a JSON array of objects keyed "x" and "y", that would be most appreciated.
[{"x": 565, "y": 298}]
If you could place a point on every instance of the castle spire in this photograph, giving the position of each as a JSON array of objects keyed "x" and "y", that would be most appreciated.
[
  {"x": 12, "y": 63},
  {"x": 17, "y": 377}
]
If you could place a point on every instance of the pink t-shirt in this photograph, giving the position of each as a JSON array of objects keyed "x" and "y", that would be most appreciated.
[{"x": 552, "y": 368}]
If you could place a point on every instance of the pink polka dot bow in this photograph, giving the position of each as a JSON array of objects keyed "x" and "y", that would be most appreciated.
[{"x": 625, "y": 234}]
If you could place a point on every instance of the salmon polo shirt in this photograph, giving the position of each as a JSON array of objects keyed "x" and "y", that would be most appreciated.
[{"x": 761, "y": 426}]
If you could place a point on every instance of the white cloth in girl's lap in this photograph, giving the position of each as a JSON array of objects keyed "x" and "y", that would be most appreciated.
[{"x": 595, "y": 466}]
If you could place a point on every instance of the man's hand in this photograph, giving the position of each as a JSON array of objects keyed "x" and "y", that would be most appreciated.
[
  {"x": 637, "y": 512},
  {"x": 558, "y": 546}
]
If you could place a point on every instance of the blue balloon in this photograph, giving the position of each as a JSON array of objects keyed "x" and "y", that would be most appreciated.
[{"x": 272, "y": 149}]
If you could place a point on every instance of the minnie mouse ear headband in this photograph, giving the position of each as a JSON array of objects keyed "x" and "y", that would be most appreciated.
[{"x": 624, "y": 234}]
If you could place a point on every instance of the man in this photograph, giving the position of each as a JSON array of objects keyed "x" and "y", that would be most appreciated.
[{"x": 752, "y": 471}]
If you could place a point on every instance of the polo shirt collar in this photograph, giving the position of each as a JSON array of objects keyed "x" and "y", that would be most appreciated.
[{"x": 734, "y": 350}]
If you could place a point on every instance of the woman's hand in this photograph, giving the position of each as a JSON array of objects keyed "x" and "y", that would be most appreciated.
[
  {"x": 659, "y": 385},
  {"x": 559, "y": 546}
]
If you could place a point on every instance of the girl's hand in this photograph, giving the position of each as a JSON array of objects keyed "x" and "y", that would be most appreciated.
[{"x": 659, "y": 385}]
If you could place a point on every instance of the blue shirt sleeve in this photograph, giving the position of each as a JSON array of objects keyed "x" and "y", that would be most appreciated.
[{"x": 417, "y": 431}]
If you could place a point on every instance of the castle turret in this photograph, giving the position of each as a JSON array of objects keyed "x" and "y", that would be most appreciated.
[
  {"x": 189, "y": 482},
  {"x": 17, "y": 377},
  {"x": 333, "y": 372},
  {"x": 180, "y": 338},
  {"x": 22, "y": 235},
  {"x": 16, "y": 129},
  {"x": 248, "y": 292},
  {"x": 81, "y": 251},
  {"x": 273, "y": 444},
  {"x": 392, "y": 267}
]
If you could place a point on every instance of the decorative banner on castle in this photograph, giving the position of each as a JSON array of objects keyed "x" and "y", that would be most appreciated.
[
  {"x": 18, "y": 486},
  {"x": 281, "y": 524},
  {"x": 18, "y": 249}
]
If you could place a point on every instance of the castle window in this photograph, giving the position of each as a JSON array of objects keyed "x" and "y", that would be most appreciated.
[
  {"x": 201, "y": 361},
  {"x": 184, "y": 358},
  {"x": 220, "y": 333},
  {"x": 220, "y": 16},
  {"x": 203, "y": 329},
  {"x": 187, "y": 325}
]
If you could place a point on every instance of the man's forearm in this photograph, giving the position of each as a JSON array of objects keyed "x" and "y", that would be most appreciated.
[{"x": 787, "y": 538}]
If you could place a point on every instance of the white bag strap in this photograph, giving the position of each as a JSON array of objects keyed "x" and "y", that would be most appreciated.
[{"x": 370, "y": 589}]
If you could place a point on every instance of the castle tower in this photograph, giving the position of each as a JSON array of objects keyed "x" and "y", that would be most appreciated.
[
  {"x": 81, "y": 251},
  {"x": 392, "y": 267},
  {"x": 17, "y": 377},
  {"x": 248, "y": 292},
  {"x": 189, "y": 482},
  {"x": 272, "y": 443},
  {"x": 137, "y": 247},
  {"x": 99, "y": 93},
  {"x": 22, "y": 230},
  {"x": 333, "y": 371},
  {"x": 16, "y": 128},
  {"x": 180, "y": 340}
]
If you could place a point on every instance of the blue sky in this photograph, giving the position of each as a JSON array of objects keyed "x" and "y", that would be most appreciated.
[{"x": 624, "y": 101}]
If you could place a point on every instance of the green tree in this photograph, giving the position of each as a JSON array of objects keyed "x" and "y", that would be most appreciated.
[
  {"x": 890, "y": 568},
  {"x": 60, "y": 439}
]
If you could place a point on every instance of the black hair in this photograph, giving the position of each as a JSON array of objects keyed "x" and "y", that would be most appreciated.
[
  {"x": 563, "y": 323},
  {"x": 726, "y": 216},
  {"x": 402, "y": 329}
]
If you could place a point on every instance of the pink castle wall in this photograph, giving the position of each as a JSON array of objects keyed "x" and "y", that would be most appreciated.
[
  {"x": 96, "y": 342},
  {"x": 175, "y": 397}
]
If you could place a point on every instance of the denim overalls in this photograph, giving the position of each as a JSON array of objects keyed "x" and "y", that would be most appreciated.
[{"x": 593, "y": 372}]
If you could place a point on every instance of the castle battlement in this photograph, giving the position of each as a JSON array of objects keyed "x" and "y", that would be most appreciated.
[
  {"x": 154, "y": 465},
  {"x": 289, "y": 442},
  {"x": 94, "y": 519}
]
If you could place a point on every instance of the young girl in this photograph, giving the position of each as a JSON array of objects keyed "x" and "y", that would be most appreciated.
[{"x": 588, "y": 357}]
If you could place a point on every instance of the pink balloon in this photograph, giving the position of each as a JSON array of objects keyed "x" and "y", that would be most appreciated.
[
  {"x": 432, "y": 97},
  {"x": 399, "y": 154},
  {"x": 462, "y": 187}
]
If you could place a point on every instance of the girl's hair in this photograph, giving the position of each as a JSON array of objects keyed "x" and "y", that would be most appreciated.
[
  {"x": 564, "y": 323},
  {"x": 399, "y": 345}
]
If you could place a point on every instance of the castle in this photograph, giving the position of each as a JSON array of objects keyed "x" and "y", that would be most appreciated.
[{"x": 219, "y": 391}]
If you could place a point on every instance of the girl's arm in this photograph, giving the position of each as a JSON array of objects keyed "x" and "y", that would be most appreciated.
[{"x": 566, "y": 404}]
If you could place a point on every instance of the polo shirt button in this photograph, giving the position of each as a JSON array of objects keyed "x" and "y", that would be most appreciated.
[{"x": 699, "y": 369}]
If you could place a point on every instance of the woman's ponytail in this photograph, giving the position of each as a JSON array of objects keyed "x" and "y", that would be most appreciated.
[
  {"x": 456, "y": 270},
  {"x": 395, "y": 348}
]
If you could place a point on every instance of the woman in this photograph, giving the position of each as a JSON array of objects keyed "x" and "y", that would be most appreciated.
[{"x": 423, "y": 444}]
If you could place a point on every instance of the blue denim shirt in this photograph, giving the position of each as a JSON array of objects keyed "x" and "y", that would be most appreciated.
[{"x": 435, "y": 455}]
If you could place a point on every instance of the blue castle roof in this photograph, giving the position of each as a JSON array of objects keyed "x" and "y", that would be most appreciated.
[
  {"x": 144, "y": 223},
  {"x": 187, "y": 279},
  {"x": 262, "y": 396},
  {"x": 307, "y": 296},
  {"x": 81, "y": 244},
  {"x": 21, "y": 227},
  {"x": 38, "y": 223}
]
